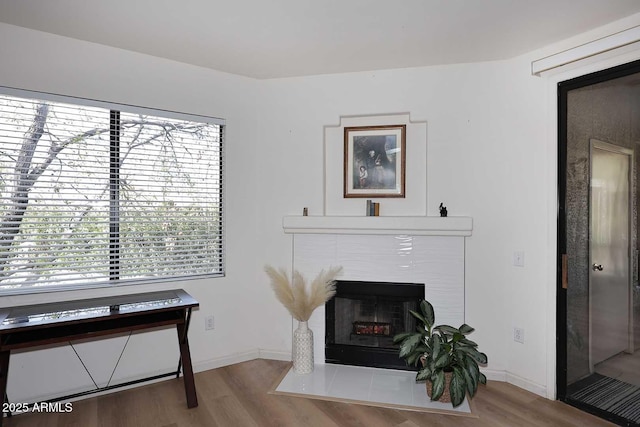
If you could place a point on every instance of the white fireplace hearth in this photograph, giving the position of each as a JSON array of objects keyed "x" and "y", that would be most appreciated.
[{"x": 427, "y": 250}]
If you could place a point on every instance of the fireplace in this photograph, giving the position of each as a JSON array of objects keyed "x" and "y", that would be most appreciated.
[
  {"x": 363, "y": 317},
  {"x": 435, "y": 260}
]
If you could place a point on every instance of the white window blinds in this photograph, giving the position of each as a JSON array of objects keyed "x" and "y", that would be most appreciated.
[{"x": 92, "y": 195}]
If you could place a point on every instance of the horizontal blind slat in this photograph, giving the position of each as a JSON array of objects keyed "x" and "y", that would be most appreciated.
[{"x": 57, "y": 193}]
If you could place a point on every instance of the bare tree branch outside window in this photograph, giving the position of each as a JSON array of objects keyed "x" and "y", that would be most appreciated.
[{"x": 55, "y": 195}]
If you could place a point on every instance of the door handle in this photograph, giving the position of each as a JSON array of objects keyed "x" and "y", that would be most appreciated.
[{"x": 597, "y": 267}]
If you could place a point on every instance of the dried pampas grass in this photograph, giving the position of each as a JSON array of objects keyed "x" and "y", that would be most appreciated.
[{"x": 295, "y": 296}]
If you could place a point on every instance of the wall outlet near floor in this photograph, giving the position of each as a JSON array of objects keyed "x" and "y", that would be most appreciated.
[
  {"x": 209, "y": 323},
  {"x": 518, "y": 335}
]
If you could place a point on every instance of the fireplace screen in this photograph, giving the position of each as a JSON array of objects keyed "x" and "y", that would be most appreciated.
[{"x": 362, "y": 319}]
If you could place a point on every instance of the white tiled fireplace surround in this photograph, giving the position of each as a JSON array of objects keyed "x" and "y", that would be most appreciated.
[{"x": 427, "y": 250}]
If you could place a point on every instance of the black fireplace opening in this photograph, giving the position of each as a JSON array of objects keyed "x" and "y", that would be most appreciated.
[{"x": 362, "y": 319}]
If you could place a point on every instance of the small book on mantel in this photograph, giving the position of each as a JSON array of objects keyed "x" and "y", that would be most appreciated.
[{"x": 373, "y": 208}]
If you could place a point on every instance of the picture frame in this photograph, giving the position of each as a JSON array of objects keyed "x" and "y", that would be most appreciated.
[{"x": 374, "y": 161}]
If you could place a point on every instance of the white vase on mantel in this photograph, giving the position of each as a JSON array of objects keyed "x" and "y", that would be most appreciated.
[{"x": 303, "y": 349}]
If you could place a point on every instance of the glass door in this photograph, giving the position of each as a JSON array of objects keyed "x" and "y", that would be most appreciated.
[{"x": 598, "y": 293}]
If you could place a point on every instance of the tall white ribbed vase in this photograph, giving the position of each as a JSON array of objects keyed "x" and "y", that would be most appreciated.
[{"x": 303, "y": 349}]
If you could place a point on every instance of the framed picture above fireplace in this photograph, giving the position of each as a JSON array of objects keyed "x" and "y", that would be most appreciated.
[{"x": 374, "y": 161}]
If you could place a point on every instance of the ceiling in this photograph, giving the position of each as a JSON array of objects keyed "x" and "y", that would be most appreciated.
[{"x": 285, "y": 38}]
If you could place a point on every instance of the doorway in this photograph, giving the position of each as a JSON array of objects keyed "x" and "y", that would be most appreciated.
[
  {"x": 598, "y": 291},
  {"x": 609, "y": 251}
]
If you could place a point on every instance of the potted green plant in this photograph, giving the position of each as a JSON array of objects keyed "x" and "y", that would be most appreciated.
[{"x": 449, "y": 359}]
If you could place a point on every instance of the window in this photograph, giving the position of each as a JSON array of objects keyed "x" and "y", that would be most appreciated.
[{"x": 92, "y": 195}]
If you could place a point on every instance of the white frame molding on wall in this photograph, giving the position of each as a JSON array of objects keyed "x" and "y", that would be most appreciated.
[{"x": 414, "y": 202}]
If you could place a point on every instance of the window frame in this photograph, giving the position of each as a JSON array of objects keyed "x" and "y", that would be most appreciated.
[{"x": 114, "y": 245}]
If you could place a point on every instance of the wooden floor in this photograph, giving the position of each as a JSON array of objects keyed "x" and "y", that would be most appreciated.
[
  {"x": 624, "y": 367},
  {"x": 237, "y": 396}
]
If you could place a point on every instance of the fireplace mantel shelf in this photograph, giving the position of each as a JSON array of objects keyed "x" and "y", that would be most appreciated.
[{"x": 405, "y": 225}]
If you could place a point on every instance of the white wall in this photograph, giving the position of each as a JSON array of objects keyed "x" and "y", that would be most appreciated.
[
  {"x": 490, "y": 155},
  {"x": 484, "y": 159},
  {"x": 44, "y": 62}
]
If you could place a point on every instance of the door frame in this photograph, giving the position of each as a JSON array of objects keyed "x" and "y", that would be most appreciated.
[
  {"x": 563, "y": 88},
  {"x": 612, "y": 148}
]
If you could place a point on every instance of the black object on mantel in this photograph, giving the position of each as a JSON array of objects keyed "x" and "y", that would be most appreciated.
[{"x": 443, "y": 210}]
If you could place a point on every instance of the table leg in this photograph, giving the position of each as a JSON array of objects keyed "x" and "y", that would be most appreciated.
[
  {"x": 187, "y": 369},
  {"x": 4, "y": 374}
]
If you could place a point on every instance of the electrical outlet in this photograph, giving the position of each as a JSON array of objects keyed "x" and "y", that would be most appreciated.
[
  {"x": 518, "y": 335},
  {"x": 208, "y": 323}
]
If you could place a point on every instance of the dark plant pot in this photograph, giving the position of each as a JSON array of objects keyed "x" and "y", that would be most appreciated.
[{"x": 446, "y": 396}]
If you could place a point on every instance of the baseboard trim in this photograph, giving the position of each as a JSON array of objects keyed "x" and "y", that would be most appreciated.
[
  {"x": 493, "y": 375},
  {"x": 46, "y": 397},
  {"x": 205, "y": 365},
  {"x": 523, "y": 383},
  {"x": 231, "y": 359},
  {"x": 241, "y": 357},
  {"x": 508, "y": 377},
  {"x": 275, "y": 355},
  {"x": 518, "y": 381},
  {"x": 219, "y": 362}
]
